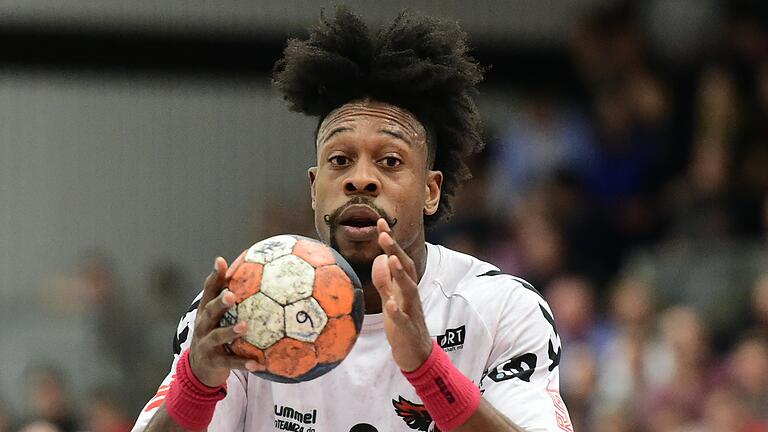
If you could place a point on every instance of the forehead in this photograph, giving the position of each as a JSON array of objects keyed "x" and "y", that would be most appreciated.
[{"x": 389, "y": 117}]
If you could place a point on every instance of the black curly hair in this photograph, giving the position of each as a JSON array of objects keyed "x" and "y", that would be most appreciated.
[{"x": 418, "y": 63}]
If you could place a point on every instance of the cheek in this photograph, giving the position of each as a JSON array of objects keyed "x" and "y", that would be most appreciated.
[
  {"x": 408, "y": 208},
  {"x": 323, "y": 232},
  {"x": 320, "y": 203}
]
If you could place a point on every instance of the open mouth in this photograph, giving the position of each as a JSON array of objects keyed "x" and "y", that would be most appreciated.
[{"x": 358, "y": 221}]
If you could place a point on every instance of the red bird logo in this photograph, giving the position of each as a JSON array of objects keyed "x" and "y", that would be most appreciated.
[{"x": 414, "y": 415}]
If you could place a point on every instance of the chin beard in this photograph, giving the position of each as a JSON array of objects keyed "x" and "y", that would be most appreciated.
[{"x": 362, "y": 269}]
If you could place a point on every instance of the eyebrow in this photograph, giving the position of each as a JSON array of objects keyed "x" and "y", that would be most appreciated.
[
  {"x": 391, "y": 132},
  {"x": 396, "y": 134},
  {"x": 335, "y": 131}
]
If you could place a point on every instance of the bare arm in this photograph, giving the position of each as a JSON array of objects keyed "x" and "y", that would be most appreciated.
[
  {"x": 488, "y": 418},
  {"x": 161, "y": 421}
]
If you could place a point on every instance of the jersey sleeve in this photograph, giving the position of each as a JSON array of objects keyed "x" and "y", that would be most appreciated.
[
  {"x": 229, "y": 414},
  {"x": 521, "y": 379}
]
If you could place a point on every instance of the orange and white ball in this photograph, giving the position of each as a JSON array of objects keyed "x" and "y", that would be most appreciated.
[{"x": 303, "y": 304}]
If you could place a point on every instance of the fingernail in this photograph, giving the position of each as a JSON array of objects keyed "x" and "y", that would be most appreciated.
[
  {"x": 241, "y": 327},
  {"x": 398, "y": 264},
  {"x": 227, "y": 300},
  {"x": 250, "y": 365},
  {"x": 388, "y": 240}
]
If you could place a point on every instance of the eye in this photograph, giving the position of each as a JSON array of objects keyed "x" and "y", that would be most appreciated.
[
  {"x": 391, "y": 162},
  {"x": 338, "y": 160}
]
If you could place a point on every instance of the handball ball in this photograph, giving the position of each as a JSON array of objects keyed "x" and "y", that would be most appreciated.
[{"x": 303, "y": 304}]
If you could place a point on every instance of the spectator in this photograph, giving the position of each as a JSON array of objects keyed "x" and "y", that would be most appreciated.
[
  {"x": 635, "y": 359},
  {"x": 6, "y": 418},
  {"x": 539, "y": 142},
  {"x": 105, "y": 413},
  {"x": 111, "y": 317},
  {"x": 725, "y": 411},
  {"x": 760, "y": 304},
  {"x": 677, "y": 400},
  {"x": 572, "y": 299},
  {"x": 49, "y": 400},
  {"x": 748, "y": 367}
]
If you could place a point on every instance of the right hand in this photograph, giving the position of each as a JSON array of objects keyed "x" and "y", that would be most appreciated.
[{"x": 210, "y": 361}]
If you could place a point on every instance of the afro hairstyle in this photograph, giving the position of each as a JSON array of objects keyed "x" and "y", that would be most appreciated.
[{"x": 418, "y": 63}]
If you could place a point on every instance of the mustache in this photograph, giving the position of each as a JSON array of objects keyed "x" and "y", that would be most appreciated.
[{"x": 332, "y": 218}]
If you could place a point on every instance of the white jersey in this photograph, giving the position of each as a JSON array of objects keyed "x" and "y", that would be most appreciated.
[{"x": 496, "y": 329}]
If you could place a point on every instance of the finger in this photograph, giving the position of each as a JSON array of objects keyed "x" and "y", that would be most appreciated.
[
  {"x": 394, "y": 312},
  {"x": 407, "y": 288},
  {"x": 213, "y": 311},
  {"x": 214, "y": 283},
  {"x": 383, "y": 226},
  {"x": 224, "y": 335},
  {"x": 381, "y": 277},
  {"x": 237, "y": 262},
  {"x": 390, "y": 247}
]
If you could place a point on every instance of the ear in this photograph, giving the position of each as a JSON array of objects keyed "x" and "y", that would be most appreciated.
[
  {"x": 312, "y": 172},
  {"x": 432, "y": 192}
]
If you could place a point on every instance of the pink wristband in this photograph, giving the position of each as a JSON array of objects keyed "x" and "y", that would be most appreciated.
[
  {"x": 449, "y": 396},
  {"x": 190, "y": 403}
]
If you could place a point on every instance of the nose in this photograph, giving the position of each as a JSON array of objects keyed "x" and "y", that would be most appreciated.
[{"x": 362, "y": 180}]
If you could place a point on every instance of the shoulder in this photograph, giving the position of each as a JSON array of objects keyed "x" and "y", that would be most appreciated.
[
  {"x": 467, "y": 276},
  {"x": 497, "y": 299}
]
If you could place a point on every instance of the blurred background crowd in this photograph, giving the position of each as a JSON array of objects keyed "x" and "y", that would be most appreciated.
[{"x": 625, "y": 176}]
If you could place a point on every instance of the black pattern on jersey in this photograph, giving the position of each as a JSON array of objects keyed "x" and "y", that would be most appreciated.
[
  {"x": 193, "y": 306},
  {"x": 550, "y": 319},
  {"x": 181, "y": 337},
  {"x": 363, "y": 427},
  {"x": 554, "y": 355},
  {"x": 414, "y": 415},
  {"x": 520, "y": 367},
  {"x": 524, "y": 283}
]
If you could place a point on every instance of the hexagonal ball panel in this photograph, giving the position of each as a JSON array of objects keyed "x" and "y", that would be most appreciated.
[
  {"x": 266, "y": 320},
  {"x": 333, "y": 290},
  {"x": 304, "y": 320},
  {"x": 270, "y": 249},
  {"x": 290, "y": 358},
  {"x": 314, "y": 252},
  {"x": 336, "y": 340},
  {"x": 288, "y": 279},
  {"x": 246, "y": 280}
]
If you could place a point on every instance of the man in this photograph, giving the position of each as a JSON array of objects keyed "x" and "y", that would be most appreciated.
[{"x": 448, "y": 342}]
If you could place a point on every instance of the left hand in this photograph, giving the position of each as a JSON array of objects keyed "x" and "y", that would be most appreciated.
[{"x": 394, "y": 276}]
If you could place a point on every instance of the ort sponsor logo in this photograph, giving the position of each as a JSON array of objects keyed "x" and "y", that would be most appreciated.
[{"x": 452, "y": 339}]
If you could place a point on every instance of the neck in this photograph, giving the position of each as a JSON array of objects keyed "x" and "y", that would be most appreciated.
[{"x": 418, "y": 253}]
